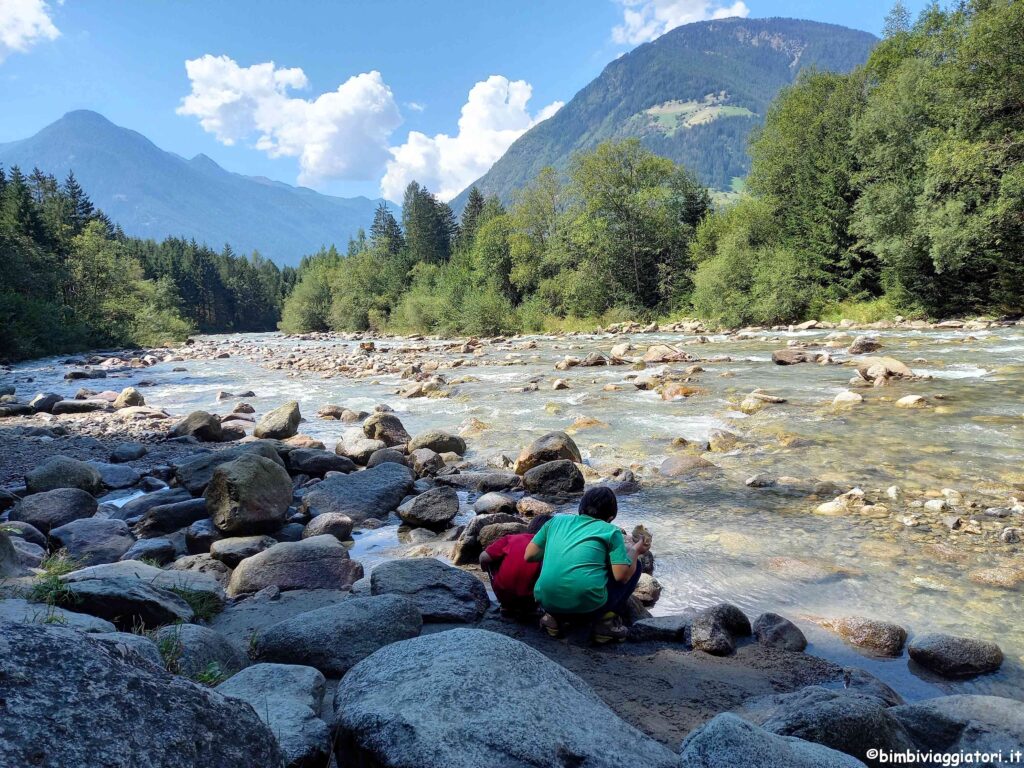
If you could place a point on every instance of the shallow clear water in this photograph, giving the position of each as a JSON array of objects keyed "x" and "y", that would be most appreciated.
[{"x": 716, "y": 539}]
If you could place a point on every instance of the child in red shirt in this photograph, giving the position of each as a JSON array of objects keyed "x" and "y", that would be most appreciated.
[{"x": 512, "y": 577}]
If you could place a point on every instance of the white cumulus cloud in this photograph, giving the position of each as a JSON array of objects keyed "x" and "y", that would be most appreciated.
[
  {"x": 23, "y": 23},
  {"x": 495, "y": 114},
  {"x": 342, "y": 134},
  {"x": 644, "y": 20}
]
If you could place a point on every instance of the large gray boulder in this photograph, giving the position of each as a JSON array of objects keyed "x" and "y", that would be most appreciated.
[
  {"x": 438, "y": 441},
  {"x": 127, "y": 602},
  {"x": 288, "y": 699},
  {"x": 319, "y": 562},
  {"x": 727, "y": 741},
  {"x": 66, "y": 699},
  {"x": 52, "y": 509},
  {"x": 248, "y": 495},
  {"x": 281, "y": 423},
  {"x": 129, "y": 642},
  {"x": 161, "y": 551},
  {"x": 244, "y": 620},
  {"x": 192, "y": 650},
  {"x": 10, "y": 562},
  {"x": 23, "y": 612},
  {"x": 554, "y": 478},
  {"x": 358, "y": 447},
  {"x": 387, "y": 428},
  {"x": 196, "y": 585},
  {"x": 63, "y": 472},
  {"x": 955, "y": 657},
  {"x": 373, "y": 492},
  {"x": 551, "y": 447},
  {"x": 849, "y": 722},
  {"x": 93, "y": 541},
  {"x": 434, "y": 509},
  {"x": 195, "y": 472},
  {"x": 336, "y": 637},
  {"x": 965, "y": 724},
  {"x": 331, "y": 523},
  {"x": 441, "y": 592},
  {"x": 876, "y": 637},
  {"x": 416, "y": 703},
  {"x": 203, "y": 426}
]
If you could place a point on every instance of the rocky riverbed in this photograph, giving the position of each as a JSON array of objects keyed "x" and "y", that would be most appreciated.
[{"x": 294, "y": 522}]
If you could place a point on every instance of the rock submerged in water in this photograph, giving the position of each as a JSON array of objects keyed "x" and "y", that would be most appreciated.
[
  {"x": 554, "y": 478},
  {"x": 416, "y": 703},
  {"x": 880, "y": 638},
  {"x": 66, "y": 698}
]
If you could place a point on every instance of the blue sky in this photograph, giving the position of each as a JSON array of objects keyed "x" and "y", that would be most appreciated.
[{"x": 361, "y": 96}]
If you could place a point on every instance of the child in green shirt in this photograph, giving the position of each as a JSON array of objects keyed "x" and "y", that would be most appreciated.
[{"x": 587, "y": 568}]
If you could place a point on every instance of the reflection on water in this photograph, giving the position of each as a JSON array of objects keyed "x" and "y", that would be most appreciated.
[{"x": 715, "y": 538}]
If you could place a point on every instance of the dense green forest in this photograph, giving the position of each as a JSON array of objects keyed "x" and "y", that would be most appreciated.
[
  {"x": 72, "y": 280},
  {"x": 901, "y": 183},
  {"x": 896, "y": 188}
]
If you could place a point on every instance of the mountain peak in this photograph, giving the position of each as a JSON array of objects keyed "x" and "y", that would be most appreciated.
[{"x": 86, "y": 117}]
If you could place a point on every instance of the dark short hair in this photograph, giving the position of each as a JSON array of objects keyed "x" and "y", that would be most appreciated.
[
  {"x": 538, "y": 522},
  {"x": 599, "y": 502}
]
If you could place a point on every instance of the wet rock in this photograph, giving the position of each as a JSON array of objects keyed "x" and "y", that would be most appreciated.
[
  {"x": 864, "y": 344},
  {"x": 955, "y": 657},
  {"x": 875, "y": 368},
  {"x": 728, "y": 741},
  {"x": 965, "y": 724},
  {"x": 370, "y": 493},
  {"x": 663, "y": 353},
  {"x": 195, "y": 473},
  {"x": 168, "y": 518},
  {"x": 320, "y": 562},
  {"x": 318, "y": 463},
  {"x": 553, "y": 446},
  {"x": 554, "y": 478},
  {"x": 439, "y": 442},
  {"x": 440, "y": 592},
  {"x": 648, "y": 590},
  {"x": 248, "y": 495},
  {"x": 481, "y": 482},
  {"x": 435, "y": 509},
  {"x": 53, "y": 509},
  {"x": 288, "y": 699},
  {"x": 493, "y": 503},
  {"x": 387, "y": 428},
  {"x": 682, "y": 466},
  {"x": 847, "y": 398},
  {"x": 63, "y": 472},
  {"x": 793, "y": 356},
  {"x": 173, "y": 721},
  {"x": 409, "y": 704},
  {"x": 714, "y": 630},
  {"x": 720, "y": 441},
  {"x": 330, "y": 523},
  {"x": 160, "y": 551},
  {"x": 192, "y": 650},
  {"x": 911, "y": 401},
  {"x": 204, "y": 427},
  {"x": 93, "y": 541},
  {"x": 881, "y": 638},
  {"x": 335, "y": 638},
  {"x": 775, "y": 631},
  {"x": 232, "y": 551},
  {"x": 126, "y": 452},
  {"x": 425, "y": 462},
  {"x": 116, "y": 476},
  {"x": 280, "y": 423},
  {"x": 845, "y": 721}
]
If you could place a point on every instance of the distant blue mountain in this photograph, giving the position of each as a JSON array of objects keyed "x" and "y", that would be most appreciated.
[{"x": 154, "y": 194}]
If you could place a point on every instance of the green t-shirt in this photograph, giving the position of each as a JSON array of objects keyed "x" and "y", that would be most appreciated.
[{"x": 578, "y": 554}]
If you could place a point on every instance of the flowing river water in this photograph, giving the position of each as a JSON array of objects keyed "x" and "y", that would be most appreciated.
[{"x": 715, "y": 538}]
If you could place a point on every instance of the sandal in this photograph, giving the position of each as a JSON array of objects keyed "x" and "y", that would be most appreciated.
[
  {"x": 608, "y": 629},
  {"x": 550, "y": 625}
]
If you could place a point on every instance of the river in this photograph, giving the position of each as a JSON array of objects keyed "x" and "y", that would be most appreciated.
[{"x": 715, "y": 538}]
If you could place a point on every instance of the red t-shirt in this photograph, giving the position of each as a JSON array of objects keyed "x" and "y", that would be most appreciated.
[{"x": 515, "y": 576}]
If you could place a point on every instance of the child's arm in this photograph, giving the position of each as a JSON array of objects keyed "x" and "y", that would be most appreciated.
[{"x": 534, "y": 554}]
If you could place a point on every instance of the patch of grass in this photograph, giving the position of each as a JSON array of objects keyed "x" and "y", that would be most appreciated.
[
  {"x": 254, "y": 639},
  {"x": 870, "y": 311},
  {"x": 203, "y": 604},
  {"x": 212, "y": 675},
  {"x": 171, "y": 650},
  {"x": 48, "y": 587},
  {"x": 151, "y": 561}
]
